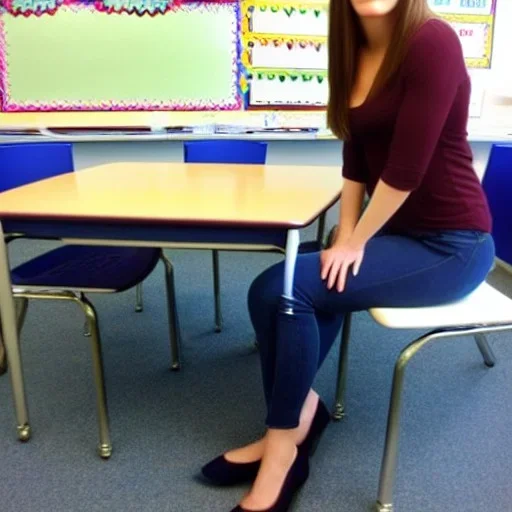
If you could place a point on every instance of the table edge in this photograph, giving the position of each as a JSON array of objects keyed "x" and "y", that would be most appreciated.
[{"x": 15, "y": 216}]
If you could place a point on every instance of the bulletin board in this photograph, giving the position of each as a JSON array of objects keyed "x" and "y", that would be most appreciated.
[
  {"x": 285, "y": 46},
  {"x": 76, "y": 56}
]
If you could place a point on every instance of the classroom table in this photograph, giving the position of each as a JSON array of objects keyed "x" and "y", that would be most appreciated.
[{"x": 164, "y": 205}]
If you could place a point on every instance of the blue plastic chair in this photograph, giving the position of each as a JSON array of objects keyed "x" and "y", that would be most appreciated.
[
  {"x": 497, "y": 184},
  {"x": 70, "y": 271},
  {"x": 223, "y": 152}
]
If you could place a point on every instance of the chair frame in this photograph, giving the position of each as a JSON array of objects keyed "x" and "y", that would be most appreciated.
[
  {"x": 390, "y": 457},
  {"x": 23, "y": 295}
]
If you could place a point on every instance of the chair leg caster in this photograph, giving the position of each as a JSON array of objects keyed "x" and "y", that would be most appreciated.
[
  {"x": 105, "y": 451},
  {"x": 489, "y": 365},
  {"x": 218, "y": 328},
  {"x": 339, "y": 412},
  {"x": 139, "y": 301},
  {"x": 379, "y": 507},
  {"x": 24, "y": 433},
  {"x": 175, "y": 367}
]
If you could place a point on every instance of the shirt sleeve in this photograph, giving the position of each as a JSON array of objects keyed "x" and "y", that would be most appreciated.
[
  {"x": 432, "y": 72},
  {"x": 353, "y": 164}
]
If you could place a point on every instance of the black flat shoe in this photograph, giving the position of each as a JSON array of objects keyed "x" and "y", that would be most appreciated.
[
  {"x": 222, "y": 472},
  {"x": 321, "y": 419},
  {"x": 295, "y": 479}
]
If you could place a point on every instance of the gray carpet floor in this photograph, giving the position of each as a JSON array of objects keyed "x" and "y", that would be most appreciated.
[{"x": 456, "y": 447}]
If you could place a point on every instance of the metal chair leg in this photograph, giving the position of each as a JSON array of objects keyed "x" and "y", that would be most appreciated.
[
  {"x": 139, "y": 302},
  {"x": 389, "y": 460},
  {"x": 321, "y": 229},
  {"x": 3, "y": 356},
  {"x": 216, "y": 291},
  {"x": 174, "y": 328},
  {"x": 485, "y": 350},
  {"x": 339, "y": 405},
  {"x": 105, "y": 444},
  {"x": 21, "y": 305}
]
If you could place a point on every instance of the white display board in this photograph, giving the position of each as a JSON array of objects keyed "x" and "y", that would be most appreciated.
[{"x": 285, "y": 48}]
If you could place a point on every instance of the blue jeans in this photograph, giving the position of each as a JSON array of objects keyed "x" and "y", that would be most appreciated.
[{"x": 413, "y": 270}]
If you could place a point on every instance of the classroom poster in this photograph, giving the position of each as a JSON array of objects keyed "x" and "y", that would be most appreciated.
[
  {"x": 285, "y": 53},
  {"x": 285, "y": 47}
]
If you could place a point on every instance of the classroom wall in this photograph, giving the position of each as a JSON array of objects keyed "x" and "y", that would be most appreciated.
[{"x": 307, "y": 152}]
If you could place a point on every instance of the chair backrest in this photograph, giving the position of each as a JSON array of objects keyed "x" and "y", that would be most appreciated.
[
  {"x": 497, "y": 184},
  {"x": 21, "y": 164},
  {"x": 225, "y": 152}
]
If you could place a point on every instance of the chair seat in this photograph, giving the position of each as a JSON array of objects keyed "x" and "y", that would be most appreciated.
[
  {"x": 87, "y": 267},
  {"x": 485, "y": 305}
]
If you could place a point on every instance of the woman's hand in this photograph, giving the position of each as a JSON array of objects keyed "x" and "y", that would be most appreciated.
[{"x": 336, "y": 262}]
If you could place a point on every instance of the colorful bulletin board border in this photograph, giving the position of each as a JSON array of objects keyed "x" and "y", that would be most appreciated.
[
  {"x": 139, "y": 7},
  {"x": 49, "y": 7}
]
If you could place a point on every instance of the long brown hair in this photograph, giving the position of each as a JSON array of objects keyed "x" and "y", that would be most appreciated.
[{"x": 346, "y": 37}]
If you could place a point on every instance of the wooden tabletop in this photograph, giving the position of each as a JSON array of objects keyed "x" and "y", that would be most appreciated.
[{"x": 291, "y": 196}]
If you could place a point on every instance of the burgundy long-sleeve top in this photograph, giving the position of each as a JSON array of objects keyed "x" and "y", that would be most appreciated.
[{"x": 413, "y": 135}]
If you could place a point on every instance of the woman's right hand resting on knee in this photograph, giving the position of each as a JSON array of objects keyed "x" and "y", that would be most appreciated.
[
  {"x": 347, "y": 250},
  {"x": 337, "y": 259}
]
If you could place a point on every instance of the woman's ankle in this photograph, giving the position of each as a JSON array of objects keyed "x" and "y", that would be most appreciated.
[{"x": 306, "y": 416}]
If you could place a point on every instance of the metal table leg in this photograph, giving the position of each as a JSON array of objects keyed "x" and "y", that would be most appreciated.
[
  {"x": 292, "y": 249},
  {"x": 10, "y": 337}
]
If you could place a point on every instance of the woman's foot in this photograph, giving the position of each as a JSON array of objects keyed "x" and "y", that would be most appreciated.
[
  {"x": 283, "y": 470},
  {"x": 242, "y": 464},
  {"x": 249, "y": 453},
  {"x": 254, "y": 451},
  {"x": 236, "y": 466}
]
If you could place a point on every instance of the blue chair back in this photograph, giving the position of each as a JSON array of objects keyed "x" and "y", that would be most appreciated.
[
  {"x": 225, "y": 152},
  {"x": 497, "y": 184},
  {"x": 21, "y": 164}
]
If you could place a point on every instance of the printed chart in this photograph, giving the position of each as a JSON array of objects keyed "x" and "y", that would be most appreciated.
[
  {"x": 285, "y": 47},
  {"x": 285, "y": 53}
]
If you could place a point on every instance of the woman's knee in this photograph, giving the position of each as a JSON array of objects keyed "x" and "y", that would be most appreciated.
[{"x": 266, "y": 289}]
